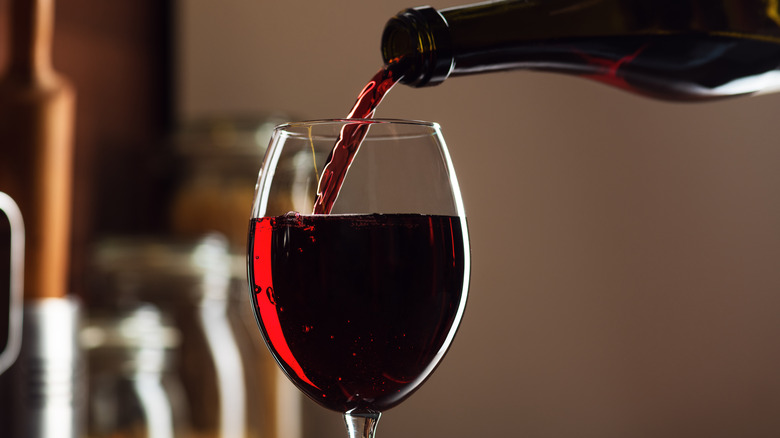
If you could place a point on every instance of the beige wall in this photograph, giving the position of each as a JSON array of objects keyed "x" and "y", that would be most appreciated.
[{"x": 626, "y": 252}]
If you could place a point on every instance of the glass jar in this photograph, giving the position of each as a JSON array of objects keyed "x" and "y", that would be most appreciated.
[
  {"x": 133, "y": 388},
  {"x": 225, "y": 370}
]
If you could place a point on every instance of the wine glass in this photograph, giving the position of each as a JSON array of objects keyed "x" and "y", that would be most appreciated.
[{"x": 358, "y": 306}]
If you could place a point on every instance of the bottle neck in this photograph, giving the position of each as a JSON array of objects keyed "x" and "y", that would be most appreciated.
[
  {"x": 31, "y": 39},
  {"x": 419, "y": 37}
]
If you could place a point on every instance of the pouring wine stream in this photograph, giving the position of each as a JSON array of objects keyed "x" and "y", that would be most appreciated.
[{"x": 352, "y": 135}]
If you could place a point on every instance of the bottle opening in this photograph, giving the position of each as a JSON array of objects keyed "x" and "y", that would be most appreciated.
[{"x": 419, "y": 38}]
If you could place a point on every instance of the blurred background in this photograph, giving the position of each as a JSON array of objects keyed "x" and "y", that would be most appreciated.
[{"x": 626, "y": 252}]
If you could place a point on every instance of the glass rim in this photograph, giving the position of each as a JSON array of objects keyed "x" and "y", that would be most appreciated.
[{"x": 341, "y": 121}]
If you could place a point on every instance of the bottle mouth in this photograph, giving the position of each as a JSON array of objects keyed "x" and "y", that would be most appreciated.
[{"x": 419, "y": 38}]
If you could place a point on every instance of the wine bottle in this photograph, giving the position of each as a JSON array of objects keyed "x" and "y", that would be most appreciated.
[
  {"x": 37, "y": 111},
  {"x": 685, "y": 50}
]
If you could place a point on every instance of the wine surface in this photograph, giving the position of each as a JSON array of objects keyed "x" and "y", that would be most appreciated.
[{"x": 358, "y": 309}]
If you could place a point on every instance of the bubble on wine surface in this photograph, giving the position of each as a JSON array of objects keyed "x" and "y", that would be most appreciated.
[{"x": 292, "y": 216}]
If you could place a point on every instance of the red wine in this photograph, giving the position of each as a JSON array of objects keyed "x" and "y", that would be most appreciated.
[
  {"x": 352, "y": 135},
  {"x": 358, "y": 309}
]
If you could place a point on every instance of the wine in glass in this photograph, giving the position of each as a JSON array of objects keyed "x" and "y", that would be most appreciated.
[{"x": 358, "y": 306}]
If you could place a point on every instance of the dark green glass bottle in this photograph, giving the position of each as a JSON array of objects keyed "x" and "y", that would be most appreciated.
[{"x": 669, "y": 49}]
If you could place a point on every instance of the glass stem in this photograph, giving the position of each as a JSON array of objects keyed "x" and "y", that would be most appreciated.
[{"x": 361, "y": 425}]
